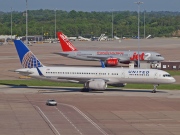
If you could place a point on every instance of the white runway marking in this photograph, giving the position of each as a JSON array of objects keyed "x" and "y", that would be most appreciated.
[
  {"x": 69, "y": 121},
  {"x": 87, "y": 118},
  {"x": 48, "y": 120}
]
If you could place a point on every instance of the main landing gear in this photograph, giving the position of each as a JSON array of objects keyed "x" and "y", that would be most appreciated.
[
  {"x": 86, "y": 88},
  {"x": 154, "y": 90}
]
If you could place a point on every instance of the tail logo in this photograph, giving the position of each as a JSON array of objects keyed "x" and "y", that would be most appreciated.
[
  {"x": 64, "y": 38},
  {"x": 30, "y": 61}
]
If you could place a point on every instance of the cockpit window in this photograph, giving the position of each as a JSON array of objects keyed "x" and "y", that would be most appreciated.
[
  {"x": 166, "y": 75},
  {"x": 158, "y": 55}
]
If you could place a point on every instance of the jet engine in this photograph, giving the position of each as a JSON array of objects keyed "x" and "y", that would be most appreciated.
[
  {"x": 111, "y": 62},
  {"x": 97, "y": 85}
]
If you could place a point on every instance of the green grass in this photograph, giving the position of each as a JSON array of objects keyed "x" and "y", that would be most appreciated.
[
  {"x": 63, "y": 84},
  {"x": 173, "y": 72},
  {"x": 149, "y": 86}
]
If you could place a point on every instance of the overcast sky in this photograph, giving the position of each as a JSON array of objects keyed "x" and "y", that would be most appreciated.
[{"x": 90, "y": 5}]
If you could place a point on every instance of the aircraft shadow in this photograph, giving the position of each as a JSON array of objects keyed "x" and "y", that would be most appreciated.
[
  {"x": 43, "y": 89},
  {"x": 135, "y": 90},
  {"x": 13, "y": 85}
]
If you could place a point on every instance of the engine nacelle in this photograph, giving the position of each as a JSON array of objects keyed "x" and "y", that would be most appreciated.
[
  {"x": 111, "y": 62},
  {"x": 97, "y": 85}
]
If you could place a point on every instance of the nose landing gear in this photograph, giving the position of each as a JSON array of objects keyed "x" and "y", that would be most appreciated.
[{"x": 155, "y": 88}]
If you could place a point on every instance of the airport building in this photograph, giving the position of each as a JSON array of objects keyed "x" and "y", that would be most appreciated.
[
  {"x": 170, "y": 65},
  {"x": 5, "y": 38},
  {"x": 35, "y": 38}
]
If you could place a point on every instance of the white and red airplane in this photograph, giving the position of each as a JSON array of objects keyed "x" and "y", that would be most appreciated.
[{"x": 110, "y": 58}]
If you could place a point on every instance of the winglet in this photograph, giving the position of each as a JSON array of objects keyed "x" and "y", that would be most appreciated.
[
  {"x": 102, "y": 64},
  {"x": 27, "y": 58},
  {"x": 65, "y": 43}
]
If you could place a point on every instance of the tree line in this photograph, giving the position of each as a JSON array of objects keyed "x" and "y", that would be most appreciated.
[{"x": 75, "y": 23}]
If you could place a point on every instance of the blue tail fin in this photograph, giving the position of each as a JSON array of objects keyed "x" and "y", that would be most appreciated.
[
  {"x": 102, "y": 64},
  {"x": 27, "y": 58}
]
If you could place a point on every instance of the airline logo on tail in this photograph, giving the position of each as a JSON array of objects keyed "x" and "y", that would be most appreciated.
[
  {"x": 27, "y": 58},
  {"x": 65, "y": 43},
  {"x": 30, "y": 61}
]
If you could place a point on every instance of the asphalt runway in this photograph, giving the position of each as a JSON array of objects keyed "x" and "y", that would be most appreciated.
[
  {"x": 110, "y": 112},
  {"x": 113, "y": 111}
]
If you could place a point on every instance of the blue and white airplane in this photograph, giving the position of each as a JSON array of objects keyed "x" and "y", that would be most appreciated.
[{"x": 92, "y": 77}]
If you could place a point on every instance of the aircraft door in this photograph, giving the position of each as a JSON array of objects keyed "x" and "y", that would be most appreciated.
[
  {"x": 93, "y": 53},
  {"x": 123, "y": 75},
  {"x": 129, "y": 54},
  {"x": 73, "y": 55},
  {"x": 156, "y": 75}
]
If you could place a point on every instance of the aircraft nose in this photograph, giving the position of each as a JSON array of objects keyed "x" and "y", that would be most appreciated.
[
  {"x": 162, "y": 58},
  {"x": 173, "y": 80}
]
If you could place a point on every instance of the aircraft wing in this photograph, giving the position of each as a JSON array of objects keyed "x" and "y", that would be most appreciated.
[
  {"x": 120, "y": 58},
  {"x": 82, "y": 80}
]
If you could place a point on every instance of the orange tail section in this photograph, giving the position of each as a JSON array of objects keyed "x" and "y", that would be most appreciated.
[{"x": 65, "y": 43}]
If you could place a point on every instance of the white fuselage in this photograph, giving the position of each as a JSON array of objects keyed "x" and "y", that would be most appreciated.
[
  {"x": 109, "y": 75},
  {"x": 122, "y": 56}
]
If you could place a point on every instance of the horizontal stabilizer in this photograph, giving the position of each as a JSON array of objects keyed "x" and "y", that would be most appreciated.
[{"x": 26, "y": 73}]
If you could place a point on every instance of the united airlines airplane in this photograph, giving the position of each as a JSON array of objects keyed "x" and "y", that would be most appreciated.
[
  {"x": 92, "y": 77},
  {"x": 111, "y": 58}
]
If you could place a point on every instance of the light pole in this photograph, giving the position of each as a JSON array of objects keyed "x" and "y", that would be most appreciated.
[
  {"x": 42, "y": 34},
  {"x": 11, "y": 23},
  {"x": 144, "y": 26},
  {"x": 138, "y": 3},
  {"x": 26, "y": 24},
  {"x": 55, "y": 26},
  {"x": 112, "y": 24}
]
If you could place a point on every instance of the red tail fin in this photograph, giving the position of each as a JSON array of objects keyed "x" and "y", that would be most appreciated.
[{"x": 65, "y": 43}]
